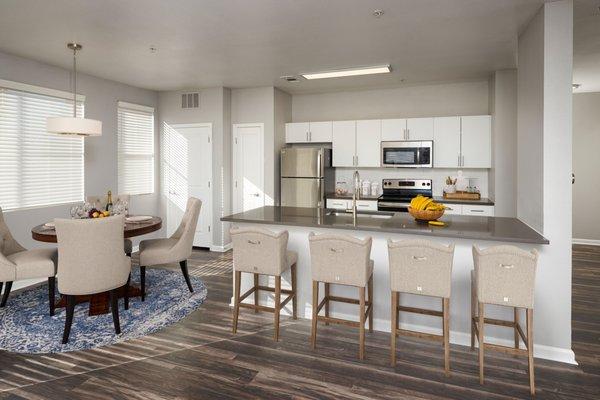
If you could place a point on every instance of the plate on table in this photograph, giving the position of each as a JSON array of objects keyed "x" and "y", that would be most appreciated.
[{"x": 138, "y": 218}]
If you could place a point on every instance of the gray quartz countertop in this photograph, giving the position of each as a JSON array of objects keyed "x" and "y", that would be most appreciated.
[
  {"x": 457, "y": 226},
  {"x": 481, "y": 202}
]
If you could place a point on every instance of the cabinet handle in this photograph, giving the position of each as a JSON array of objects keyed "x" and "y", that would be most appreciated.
[
  {"x": 462, "y": 161},
  {"x": 408, "y": 134},
  {"x": 459, "y": 160},
  {"x": 309, "y": 136},
  {"x": 476, "y": 210}
]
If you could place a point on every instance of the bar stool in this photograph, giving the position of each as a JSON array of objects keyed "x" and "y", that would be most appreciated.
[
  {"x": 505, "y": 276},
  {"x": 424, "y": 268},
  {"x": 341, "y": 260},
  {"x": 262, "y": 252}
]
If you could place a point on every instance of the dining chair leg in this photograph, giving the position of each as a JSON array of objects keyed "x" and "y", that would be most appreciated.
[
  {"x": 51, "y": 291},
  {"x": 277, "y": 306},
  {"x": 361, "y": 336},
  {"x": 186, "y": 275},
  {"x": 1, "y": 286},
  {"x": 114, "y": 306},
  {"x": 6, "y": 293},
  {"x": 143, "y": 282},
  {"x": 371, "y": 303},
  {"x": 70, "y": 306},
  {"x": 236, "y": 299},
  {"x": 326, "y": 290},
  {"x": 315, "y": 304},
  {"x": 473, "y": 301},
  {"x": 529, "y": 313},
  {"x": 446, "y": 317},
  {"x": 295, "y": 298},
  {"x": 480, "y": 327},
  {"x": 126, "y": 297},
  {"x": 394, "y": 309},
  {"x": 516, "y": 332},
  {"x": 256, "y": 293}
]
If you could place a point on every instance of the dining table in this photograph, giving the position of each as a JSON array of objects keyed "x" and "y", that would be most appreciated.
[{"x": 100, "y": 303}]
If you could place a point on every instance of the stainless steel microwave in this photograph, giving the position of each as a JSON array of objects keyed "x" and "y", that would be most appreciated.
[{"x": 407, "y": 154}]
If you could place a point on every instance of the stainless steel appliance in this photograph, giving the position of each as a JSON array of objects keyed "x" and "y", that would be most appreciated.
[
  {"x": 303, "y": 176},
  {"x": 407, "y": 154},
  {"x": 397, "y": 193}
]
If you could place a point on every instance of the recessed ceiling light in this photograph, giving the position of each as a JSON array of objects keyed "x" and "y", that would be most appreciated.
[
  {"x": 576, "y": 85},
  {"x": 153, "y": 49},
  {"x": 378, "y": 69},
  {"x": 377, "y": 13}
]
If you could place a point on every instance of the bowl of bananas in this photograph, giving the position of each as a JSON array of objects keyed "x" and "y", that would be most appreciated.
[{"x": 425, "y": 209}]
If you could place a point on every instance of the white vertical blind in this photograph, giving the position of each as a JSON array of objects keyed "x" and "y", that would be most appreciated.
[
  {"x": 135, "y": 149},
  {"x": 37, "y": 168}
]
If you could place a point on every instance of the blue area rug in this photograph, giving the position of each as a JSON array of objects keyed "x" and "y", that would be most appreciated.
[{"x": 26, "y": 325}]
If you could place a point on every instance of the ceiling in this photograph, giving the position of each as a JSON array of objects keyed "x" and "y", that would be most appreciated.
[{"x": 248, "y": 43}]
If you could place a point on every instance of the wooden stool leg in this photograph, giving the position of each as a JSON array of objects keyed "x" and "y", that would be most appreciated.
[
  {"x": 295, "y": 290},
  {"x": 236, "y": 299},
  {"x": 397, "y": 312},
  {"x": 480, "y": 339},
  {"x": 530, "y": 350},
  {"x": 371, "y": 302},
  {"x": 315, "y": 304},
  {"x": 446, "y": 317},
  {"x": 256, "y": 292},
  {"x": 516, "y": 320},
  {"x": 473, "y": 315},
  {"x": 277, "y": 306},
  {"x": 394, "y": 327},
  {"x": 326, "y": 301},
  {"x": 361, "y": 348}
]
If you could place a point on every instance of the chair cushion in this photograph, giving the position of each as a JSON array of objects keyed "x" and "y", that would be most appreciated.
[
  {"x": 128, "y": 246},
  {"x": 158, "y": 251},
  {"x": 292, "y": 258},
  {"x": 36, "y": 263}
]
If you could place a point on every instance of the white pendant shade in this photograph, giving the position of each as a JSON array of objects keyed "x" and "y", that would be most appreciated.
[{"x": 74, "y": 126}]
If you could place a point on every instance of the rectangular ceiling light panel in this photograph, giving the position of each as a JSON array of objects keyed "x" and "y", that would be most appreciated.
[{"x": 378, "y": 69}]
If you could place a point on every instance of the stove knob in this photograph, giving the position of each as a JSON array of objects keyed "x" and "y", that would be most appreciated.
[
  {"x": 423, "y": 184},
  {"x": 428, "y": 183}
]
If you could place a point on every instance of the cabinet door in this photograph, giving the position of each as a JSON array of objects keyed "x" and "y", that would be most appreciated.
[
  {"x": 487, "y": 211},
  {"x": 446, "y": 142},
  {"x": 368, "y": 143},
  {"x": 320, "y": 132},
  {"x": 296, "y": 132},
  {"x": 453, "y": 209},
  {"x": 419, "y": 128},
  {"x": 476, "y": 141},
  {"x": 393, "y": 129},
  {"x": 344, "y": 143},
  {"x": 337, "y": 204},
  {"x": 365, "y": 205}
]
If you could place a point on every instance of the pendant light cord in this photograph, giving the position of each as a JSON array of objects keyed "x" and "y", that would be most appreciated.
[{"x": 75, "y": 83}]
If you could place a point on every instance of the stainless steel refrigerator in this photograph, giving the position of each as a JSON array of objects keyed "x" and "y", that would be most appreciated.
[{"x": 305, "y": 176}]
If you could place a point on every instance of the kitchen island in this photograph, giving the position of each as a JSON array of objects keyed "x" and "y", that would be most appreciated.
[{"x": 462, "y": 231}]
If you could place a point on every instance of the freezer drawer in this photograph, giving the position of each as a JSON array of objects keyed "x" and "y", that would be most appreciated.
[{"x": 302, "y": 192}]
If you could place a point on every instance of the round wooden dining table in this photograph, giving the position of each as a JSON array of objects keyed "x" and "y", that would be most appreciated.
[{"x": 100, "y": 302}]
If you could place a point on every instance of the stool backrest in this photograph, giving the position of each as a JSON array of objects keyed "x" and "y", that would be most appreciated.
[
  {"x": 421, "y": 267},
  {"x": 340, "y": 259},
  {"x": 505, "y": 275},
  {"x": 259, "y": 250}
]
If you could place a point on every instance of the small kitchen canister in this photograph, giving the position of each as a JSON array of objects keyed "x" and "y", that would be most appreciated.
[
  {"x": 375, "y": 189},
  {"x": 366, "y": 188}
]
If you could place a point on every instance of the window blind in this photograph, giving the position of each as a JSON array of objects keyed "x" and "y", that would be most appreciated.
[
  {"x": 135, "y": 149},
  {"x": 37, "y": 168}
]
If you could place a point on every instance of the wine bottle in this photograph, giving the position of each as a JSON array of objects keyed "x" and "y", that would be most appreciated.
[{"x": 109, "y": 203}]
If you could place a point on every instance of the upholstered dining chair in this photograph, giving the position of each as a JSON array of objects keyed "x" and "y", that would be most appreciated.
[
  {"x": 90, "y": 261},
  {"x": 18, "y": 263},
  {"x": 101, "y": 201},
  {"x": 177, "y": 248}
]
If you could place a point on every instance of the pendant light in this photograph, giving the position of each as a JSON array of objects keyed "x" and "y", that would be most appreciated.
[{"x": 74, "y": 125}]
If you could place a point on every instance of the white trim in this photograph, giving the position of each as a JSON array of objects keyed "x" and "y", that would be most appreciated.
[
  {"x": 234, "y": 190},
  {"x": 136, "y": 107},
  {"x": 589, "y": 242},
  {"x": 193, "y": 125},
  {"x": 221, "y": 249},
  {"x": 24, "y": 87}
]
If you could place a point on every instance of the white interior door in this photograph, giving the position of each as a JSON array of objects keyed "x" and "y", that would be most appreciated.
[
  {"x": 187, "y": 165},
  {"x": 248, "y": 167}
]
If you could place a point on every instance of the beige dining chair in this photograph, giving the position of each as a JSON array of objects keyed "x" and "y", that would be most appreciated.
[
  {"x": 101, "y": 201},
  {"x": 90, "y": 261},
  {"x": 177, "y": 248},
  {"x": 18, "y": 263}
]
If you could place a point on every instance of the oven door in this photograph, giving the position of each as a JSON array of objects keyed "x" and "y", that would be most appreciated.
[
  {"x": 408, "y": 154},
  {"x": 393, "y": 206}
]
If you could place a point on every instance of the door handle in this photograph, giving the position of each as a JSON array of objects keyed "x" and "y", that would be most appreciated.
[{"x": 256, "y": 194}]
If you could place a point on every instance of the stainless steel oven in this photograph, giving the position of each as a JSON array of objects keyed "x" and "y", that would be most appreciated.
[{"x": 407, "y": 154}]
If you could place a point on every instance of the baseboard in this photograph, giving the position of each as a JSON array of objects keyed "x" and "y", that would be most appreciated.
[
  {"x": 589, "y": 242},
  {"x": 221, "y": 249}
]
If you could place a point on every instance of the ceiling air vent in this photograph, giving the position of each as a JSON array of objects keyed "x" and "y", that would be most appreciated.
[
  {"x": 190, "y": 100},
  {"x": 290, "y": 78}
]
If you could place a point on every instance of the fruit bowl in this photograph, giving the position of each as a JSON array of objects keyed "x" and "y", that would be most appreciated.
[{"x": 425, "y": 215}]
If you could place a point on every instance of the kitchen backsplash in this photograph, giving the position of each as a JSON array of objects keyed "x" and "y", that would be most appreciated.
[{"x": 436, "y": 174}]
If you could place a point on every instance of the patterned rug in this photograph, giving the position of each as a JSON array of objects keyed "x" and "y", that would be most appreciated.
[{"x": 26, "y": 326}]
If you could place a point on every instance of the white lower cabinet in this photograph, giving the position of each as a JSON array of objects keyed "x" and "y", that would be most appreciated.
[
  {"x": 486, "y": 211},
  {"x": 345, "y": 204},
  {"x": 453, "y": 209},
  {"x": 337, "y": 204}
]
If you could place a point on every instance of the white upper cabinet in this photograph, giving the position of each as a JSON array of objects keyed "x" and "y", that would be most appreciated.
[
  {"x": 476, "y": 142},
  {"x": 446, "y": 142},
  {"x": 368, "y": 139},
  {"x": 296, "y": 132},
  {"x": 344, "y": 143},
  {"x": 393, "y": 130},
  {"x": 419, "y": 129}
]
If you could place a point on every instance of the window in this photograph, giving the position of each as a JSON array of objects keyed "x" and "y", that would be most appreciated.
[
  {"x": 37, "y": 168},
  {"x": 136, "y": 148}
]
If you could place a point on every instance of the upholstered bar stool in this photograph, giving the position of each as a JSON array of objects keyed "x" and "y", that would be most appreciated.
[
  {"x": 262, "y": 252},
  {"x": 341, "y": 260},
  {"x": 505, "y": 276},
  {"x": 423, "y": 268}
]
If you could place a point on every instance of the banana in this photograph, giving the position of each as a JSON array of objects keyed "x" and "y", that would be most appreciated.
[{"x": 425, "y": 203}]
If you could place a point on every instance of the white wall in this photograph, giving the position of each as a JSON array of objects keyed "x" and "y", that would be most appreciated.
[
  {"x": 100, "y": 152},
  {"x": 586, "y": 164}
]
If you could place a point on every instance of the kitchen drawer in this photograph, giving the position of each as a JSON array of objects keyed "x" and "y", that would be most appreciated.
[
  {"x": 364, "y": 205},
  {"x": 338, "y": 204},
  {"x": 487, "y": 211},
  {"x": 453, "y": 209}
]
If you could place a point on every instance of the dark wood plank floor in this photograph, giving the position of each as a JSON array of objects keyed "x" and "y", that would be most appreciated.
[{"x": 199, "y": 358}]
